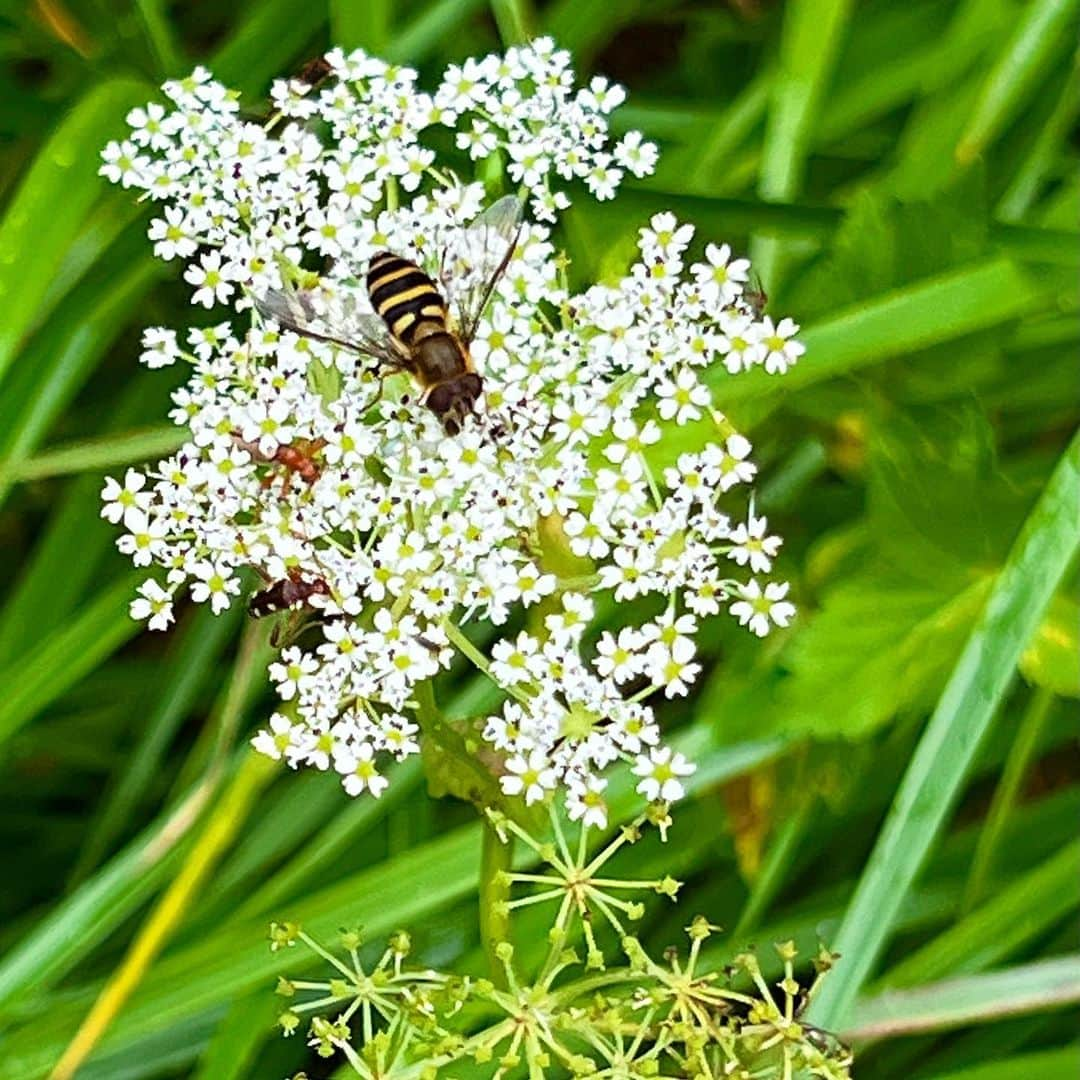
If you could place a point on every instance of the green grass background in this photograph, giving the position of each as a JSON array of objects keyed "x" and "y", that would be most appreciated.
[{"x": 896, "y": 774}]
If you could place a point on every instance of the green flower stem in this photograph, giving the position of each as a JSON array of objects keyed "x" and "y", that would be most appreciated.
[
  {"x": 478, "y": 660},
  {"x": 496, "y": 857}
]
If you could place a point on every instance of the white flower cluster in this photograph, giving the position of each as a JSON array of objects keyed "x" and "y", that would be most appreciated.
[{"x": 332, "y": 478}]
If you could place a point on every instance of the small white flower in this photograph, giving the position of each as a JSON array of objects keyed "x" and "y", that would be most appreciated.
[
  {"x": 660, "y": 771},
  {"x": 279, "y": 740},
  {"x": 751, "y": 545},
  {"x": 682, "y": 398},
  {"x": 529, "y": 776},
  {"x": 756, "y": 609},
  {"x": 358, "y": 771},
  {"x": 119, "y": 498},
  {"x": 778, "y": 346},
  {"x": 153, "y": 604},
  {"x": 159, "y": 347},
  {"x": 214, "y": 581},
  {"x": 585, "y": 802}
]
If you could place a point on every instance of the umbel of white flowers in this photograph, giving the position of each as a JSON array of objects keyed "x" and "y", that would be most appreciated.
[{"x": 399, "y": 532}]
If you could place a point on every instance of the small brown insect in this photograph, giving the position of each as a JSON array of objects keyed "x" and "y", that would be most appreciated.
[
  {"x": 314, "y": 71},
  {"x": 754, "y": 297},
  {"x": 290, "y": 594},
  {"x": 298, "y": 457}
]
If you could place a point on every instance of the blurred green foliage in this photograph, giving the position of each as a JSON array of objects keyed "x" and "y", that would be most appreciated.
[{"x": 905, "y": 175}]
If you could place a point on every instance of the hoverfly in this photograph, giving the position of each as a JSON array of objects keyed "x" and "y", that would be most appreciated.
[{"x": 412, "y": 329}]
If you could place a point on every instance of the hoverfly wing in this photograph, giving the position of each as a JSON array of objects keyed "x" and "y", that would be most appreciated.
[
  {"x": 335, "y": 322},
  {"x": 482, "y": 253}
]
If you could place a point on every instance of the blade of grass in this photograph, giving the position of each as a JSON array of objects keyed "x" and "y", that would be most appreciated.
[
  {"x": 287, "y": 819},
  {"x": 582, "y": 26},
  {"x": 364, "y": 26},
  {"x": 51, "y": 582},
  {"x": 810, "y": 40},
  {"x": 106, "y": 452},
  {"x": 732, "y": 128},
  {"x": 977, "y": 999},
  {"x": 1042, "y": 33},
  {"x": 798, "y": 221},
  {"x": 220, "y": 829},
  {"x": 232, "y": 1050},
  {"x": 106, "y": 223},
  {"x": 158, "y": 30},
  {"x": 1039, "y": 559},
  {"x": 265, "y": 42},
  {"x": 96, "y": 907},
  {"x": 416, "y": 40},
  {"x": 1005, "y": 797},
  {"x": 60, "y": 360},
  {"x": 336, "y": 837},
  {"x": 196, "y": 652},
  {"x": 515, "y": 20},
  {"x": 1039, "y": 164},
  {"x": 169, "y": 1053},
  {"x": 915, "y": 317},
  {"x": 87, "y": 916},
  {"x": 229, "y": 814},
  {"x": 1019, "y": 913},
  {"x": 778, "y": 859},
  {"x": 66, "y": 656},
  {"x": 53, "y": 199}
]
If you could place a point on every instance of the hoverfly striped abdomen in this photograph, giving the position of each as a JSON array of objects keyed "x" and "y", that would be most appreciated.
[{"x": 403, "y": 296}]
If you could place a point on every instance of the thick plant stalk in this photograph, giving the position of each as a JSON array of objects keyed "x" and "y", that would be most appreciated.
[{"x": 495, "y": 859}]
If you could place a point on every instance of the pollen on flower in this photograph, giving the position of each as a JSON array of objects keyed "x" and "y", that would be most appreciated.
[{"x": 330, "y": 477}]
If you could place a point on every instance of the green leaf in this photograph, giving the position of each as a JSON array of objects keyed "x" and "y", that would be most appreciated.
[
  {"x": 879, "y": 645},
  {"x": 1052, "y": 660},
  {"x": 939, "y": 508},
  {"x": 977, "y": 999},
  {"x": 884, "y": 242},
  {"x": 1039, "y": 559}
]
